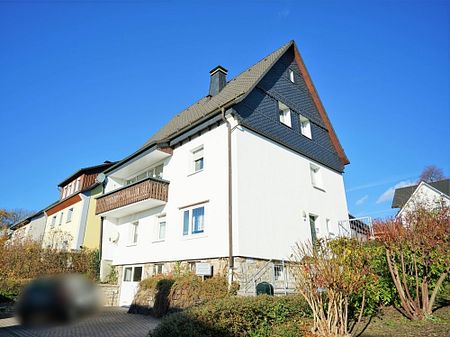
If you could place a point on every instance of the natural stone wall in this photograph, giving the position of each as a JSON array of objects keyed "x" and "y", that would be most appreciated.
[{"x": 110, "y": 294}]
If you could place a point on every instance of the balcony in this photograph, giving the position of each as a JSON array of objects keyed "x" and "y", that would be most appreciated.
[{"x": 137, "y": 197}]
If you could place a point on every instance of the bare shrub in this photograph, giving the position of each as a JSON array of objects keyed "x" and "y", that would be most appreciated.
[{"x": 328, "y": 274}]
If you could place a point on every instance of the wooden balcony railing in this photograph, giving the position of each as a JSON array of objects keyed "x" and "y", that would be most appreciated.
[{"x": 149, "y": 188}]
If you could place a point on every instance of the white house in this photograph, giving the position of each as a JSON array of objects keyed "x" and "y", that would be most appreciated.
[
  {"x": 229, "y": 184},
  {"x": 30, "y": 228},
  {"x": 424, "y": 194}
]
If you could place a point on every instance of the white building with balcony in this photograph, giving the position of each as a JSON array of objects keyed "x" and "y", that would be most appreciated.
[{"x": 230, "y": 184}]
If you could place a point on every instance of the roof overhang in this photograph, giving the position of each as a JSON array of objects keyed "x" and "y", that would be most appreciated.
[{"x": 134, "y": 164}]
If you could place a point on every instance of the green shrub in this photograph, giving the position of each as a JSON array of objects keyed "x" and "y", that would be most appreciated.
[
  {"x": 260, "y": 316},
  {"x": 189, "y": 290},
  {"x": 10, "y": 289},
  {"x": 168, "y": 293}
]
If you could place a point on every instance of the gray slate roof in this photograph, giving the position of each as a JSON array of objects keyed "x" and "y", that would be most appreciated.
[
  {"x": 402, "y": 195},
  {"x": 235, "y": 90}
]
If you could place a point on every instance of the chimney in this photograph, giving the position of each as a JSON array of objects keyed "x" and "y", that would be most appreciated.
[{"x": 218, "y": 80}]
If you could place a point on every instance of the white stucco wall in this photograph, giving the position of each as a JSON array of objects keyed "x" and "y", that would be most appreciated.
[
  {"x": 273, "y": 192},
  {"x": 186, "y": 188}
]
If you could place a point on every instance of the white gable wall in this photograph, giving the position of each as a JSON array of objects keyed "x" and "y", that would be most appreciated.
[
  {"x": 273, "y": 192},
  {"x": 424, "y": 195}
]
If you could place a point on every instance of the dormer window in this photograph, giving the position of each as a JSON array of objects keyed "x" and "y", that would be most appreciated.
[
  {"x": 284, "y": 114},
  {"x": 305, "y": 126},
  {"x": 291, "y": 76}
]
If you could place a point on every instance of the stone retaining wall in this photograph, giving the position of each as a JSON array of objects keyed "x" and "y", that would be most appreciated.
[{"x": 110, "y": 294}]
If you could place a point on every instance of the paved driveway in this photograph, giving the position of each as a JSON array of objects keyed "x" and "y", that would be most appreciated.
[{"x": 111, "y": 322}]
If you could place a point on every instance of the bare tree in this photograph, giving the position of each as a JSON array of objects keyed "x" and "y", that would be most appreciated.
[
  {"x": 431, "y": 173},
  {"x": 10, "y": 217}
]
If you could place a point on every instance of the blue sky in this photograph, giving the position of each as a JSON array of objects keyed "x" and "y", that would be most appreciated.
[{"x": 87, "y": 81}]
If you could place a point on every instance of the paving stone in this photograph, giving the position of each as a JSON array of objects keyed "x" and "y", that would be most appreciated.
[{"x": 111, "y": 322}]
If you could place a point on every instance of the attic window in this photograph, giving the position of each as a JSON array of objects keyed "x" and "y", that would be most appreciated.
[
  {"x": 305, "y": 126},
  {"x": 291, "y": 76},
  {"x": 284, "y": 114}
]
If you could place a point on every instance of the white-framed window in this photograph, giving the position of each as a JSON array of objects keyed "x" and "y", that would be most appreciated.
[
  {"x": 305, "y": 126},
  {"x": 77, "y": 187},
  {"x": 278, "y": 272},
  {"x": 284, "y": 114},
  {"x": 161, "y": 228},
  {"x": 316, "y": 176},
  {"x": 60, "y": 218},
  {"x": 291, "y": 76},
  {"x": 53, "y": 221},
  {"x": 194, "y": 220},
  {"x": 64, "y": 192},
  {"x": 132, "y": 274},
  {"x": 198, "y": 160},
  {"x": 133, "y": 233},
  {"x": 153, "y": 172},
  {"x": 158, "y": 269},
  {"x": 69, "y": 215}
]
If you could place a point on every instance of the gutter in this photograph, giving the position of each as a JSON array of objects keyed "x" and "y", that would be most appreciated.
[{"x": 230, "y": 200}]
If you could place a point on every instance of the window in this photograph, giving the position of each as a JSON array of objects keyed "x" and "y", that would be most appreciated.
[
  {"x": 312, "y": 225},
  {"x": 127, "y": 273},
  {"x": 305, "y": 126},
  {"x": 132, "y": 274},
  {"x": 162, "y": 229},
  {"x": 278, "y": 271},
  {"x": 316, "y": 176},
  {"x": 65, "y": 192},
  {"x": 60, "y": 218},
  {"x": 285, "y": 114},
  {"x": 291, "y": 76},
  {"x": 194, "y": 221},
  {"x": 69, "y": 215},
  {"x": 133, "y": 233},
  {"x": 154, "y": 172},
  {"x": 77, "y": 188},
  {"x": 198, "y": 159},
  {"x": 158, "y": 269},
  {"x": 137, "y": 275},
  {"x": 53, "y": 221}
]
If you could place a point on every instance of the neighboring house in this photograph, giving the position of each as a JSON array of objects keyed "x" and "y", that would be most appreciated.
[
  {"x": 230, "y": 184},
  {"x": 71, "y": 221},
  {"x": 428, "y": 194},
  {"x": 30, "y": 228}
]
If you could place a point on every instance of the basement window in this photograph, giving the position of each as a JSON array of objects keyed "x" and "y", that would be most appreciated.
[
  {"x": 278, "y": 272},
  {"x": 284, "y": 114},
  {"x": 305, "y": 126}
]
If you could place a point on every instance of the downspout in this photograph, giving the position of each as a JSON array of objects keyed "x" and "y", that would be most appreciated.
[{"x": 230, "y": 202}]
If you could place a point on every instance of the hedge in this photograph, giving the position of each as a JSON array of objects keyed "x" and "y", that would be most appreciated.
[{"x": 261, "y": 316}]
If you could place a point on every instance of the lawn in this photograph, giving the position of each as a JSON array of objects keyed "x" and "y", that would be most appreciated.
[{"x": 390, "y": 323}]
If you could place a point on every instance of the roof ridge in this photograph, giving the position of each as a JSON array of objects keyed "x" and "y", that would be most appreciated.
[{"x": 206, "y": 106}]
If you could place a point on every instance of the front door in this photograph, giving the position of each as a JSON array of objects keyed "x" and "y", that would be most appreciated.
[
  {"x": 312, "y": 224},
  {"x": 131, "y": 277}
]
